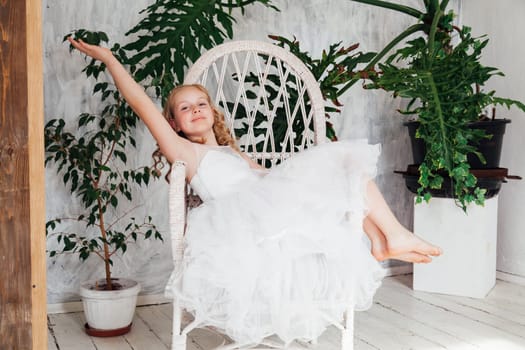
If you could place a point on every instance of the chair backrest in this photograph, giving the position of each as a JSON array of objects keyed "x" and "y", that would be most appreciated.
[{"x": 271, "y": 101}]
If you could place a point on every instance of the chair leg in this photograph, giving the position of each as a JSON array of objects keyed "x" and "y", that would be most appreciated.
[
  {"x": 178, "y": 340},
  {"x": 347, "y": 334},
  {"x": 347, "y": 339}
]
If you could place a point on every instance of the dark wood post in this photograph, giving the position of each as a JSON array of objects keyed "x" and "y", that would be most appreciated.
[{"x": 22, "y": 194}]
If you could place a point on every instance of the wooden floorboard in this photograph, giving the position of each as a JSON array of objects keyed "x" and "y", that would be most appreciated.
[
  {"x": 399, "y": 319},
  {"x": 144, "y": 337}
]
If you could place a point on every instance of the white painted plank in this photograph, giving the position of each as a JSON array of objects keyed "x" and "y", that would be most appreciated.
[
  {"x": 69, "y": 332},
  {"x": 391, "y": 335},
  {"x": 512, "y": 290},
  {"x": 51, "y": 345},
  {"x": 51, "y": 341},
  {"x": 157, "y": 321},
  {"x": 508, "y": 293},
  {"x": 361, "y": 344},
  {"x": 504, "y": 296},
  {"x": 207, "y": 339},
  {"x": 107, "y": 343},
  {"x": 111, "y": 343},
  {"x": 440, "y": 338},
  {"x": 447, "y": 320},
  {"x": 501, "y": 308},
  {"x": 503, "y": 301},
  {"x": 142, "y": 337},
  {"x": 331, "y": 340},
  {"x": 400, "y": 319},
  {"x": 167, "y": 310},
  {"x": 505, "y": 324}
]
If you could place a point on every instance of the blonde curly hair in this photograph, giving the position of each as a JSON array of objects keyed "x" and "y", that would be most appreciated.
[{"x": 222, "y": 134}]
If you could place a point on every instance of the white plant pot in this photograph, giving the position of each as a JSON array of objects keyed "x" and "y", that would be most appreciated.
[
  {"x": 109, "y": 309},
  {"x": 468, "y": 264}
]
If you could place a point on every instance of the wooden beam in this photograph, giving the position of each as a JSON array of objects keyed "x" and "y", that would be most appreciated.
[
  {"x": 37, "y": 193},
  {"x": 22, "y": 238}
]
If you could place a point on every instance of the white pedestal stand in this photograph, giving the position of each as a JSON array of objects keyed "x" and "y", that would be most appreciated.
[{"x": 468, "y": 264}]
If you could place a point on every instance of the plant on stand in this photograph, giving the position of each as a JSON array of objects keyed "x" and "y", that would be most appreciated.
[{"x": 440, "y": 72}]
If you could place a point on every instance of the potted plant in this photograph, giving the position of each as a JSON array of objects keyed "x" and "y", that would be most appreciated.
[
  {"x": 440, "y": 72},
  {"x": 93, "y": 163}
]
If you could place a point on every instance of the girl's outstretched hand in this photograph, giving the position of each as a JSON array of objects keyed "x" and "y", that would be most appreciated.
[{"x": 97, "y": 52}]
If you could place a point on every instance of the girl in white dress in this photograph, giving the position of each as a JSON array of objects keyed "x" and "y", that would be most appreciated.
[{"x": 270, "y": 252}]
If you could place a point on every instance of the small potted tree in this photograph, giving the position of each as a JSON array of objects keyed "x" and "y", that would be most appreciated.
[
  {"x": 440, "y": 72},
  {"x": 93, "y": 163}
]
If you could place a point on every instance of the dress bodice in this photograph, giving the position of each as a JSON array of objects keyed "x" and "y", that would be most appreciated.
[{"x": 221, "y": 171}]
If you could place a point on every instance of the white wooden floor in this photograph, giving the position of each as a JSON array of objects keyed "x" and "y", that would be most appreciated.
[{"x": 400, "y": 319}]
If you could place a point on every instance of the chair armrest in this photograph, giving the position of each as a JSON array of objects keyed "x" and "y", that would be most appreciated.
[{"x": 177, "y": 210}]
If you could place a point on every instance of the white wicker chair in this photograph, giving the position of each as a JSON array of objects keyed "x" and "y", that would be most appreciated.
[{"x": 240, "y": 76}]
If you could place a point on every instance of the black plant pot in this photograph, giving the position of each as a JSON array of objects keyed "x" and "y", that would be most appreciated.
[
  {"x": 490, "y": 148},
  {"x": 489, "y": 175}
]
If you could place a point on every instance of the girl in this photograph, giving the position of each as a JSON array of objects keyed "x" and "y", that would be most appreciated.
[{"x": 277, "y": 252}]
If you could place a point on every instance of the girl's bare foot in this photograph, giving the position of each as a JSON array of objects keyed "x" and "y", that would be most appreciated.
[
  {"x": 384, "y": 250},
  {"x": 407, "y": 242}
]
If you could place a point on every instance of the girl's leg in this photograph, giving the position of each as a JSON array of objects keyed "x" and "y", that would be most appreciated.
[
  {"x": 399, "y": 240},
  {"x": 379, "y": 245}
]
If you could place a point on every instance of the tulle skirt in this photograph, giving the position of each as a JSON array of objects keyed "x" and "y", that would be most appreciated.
[{"x": 285, "y": 255}]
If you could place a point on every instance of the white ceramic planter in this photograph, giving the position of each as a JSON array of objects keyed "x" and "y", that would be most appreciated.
[
  {"x": 468, "y": 264},
  {"x": 109, "y": 309}
]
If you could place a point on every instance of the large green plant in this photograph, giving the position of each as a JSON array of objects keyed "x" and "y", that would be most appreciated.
[
  {"x": 440, "y": 72},
  {"x": 93, "y": 160},
  {"x": 174, "y": 33}
]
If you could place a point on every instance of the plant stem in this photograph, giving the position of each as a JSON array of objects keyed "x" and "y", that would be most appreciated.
[
  {"x": 409, "y": 31},
  {"x": 444, "y": 5},
  {"x": 105, "y": 244},
  {"x": 432, "y": 37},
  {"x": 396, "y": 7},
  {"x": 439, "y": 116}
]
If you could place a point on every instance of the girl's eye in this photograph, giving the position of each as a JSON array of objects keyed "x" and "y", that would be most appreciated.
[
  {"x": 202, "y": 104},
  {"x": 184, "y": 108}
]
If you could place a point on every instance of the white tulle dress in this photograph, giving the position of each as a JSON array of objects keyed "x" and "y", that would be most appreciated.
[{"x": 282, "y": 252}]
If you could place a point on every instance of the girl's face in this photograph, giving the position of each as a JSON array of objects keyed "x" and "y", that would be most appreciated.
[{"x": 193, "y": 112}]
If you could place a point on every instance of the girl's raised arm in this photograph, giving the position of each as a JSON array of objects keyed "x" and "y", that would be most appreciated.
[{"x": 172, "y": 145}]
